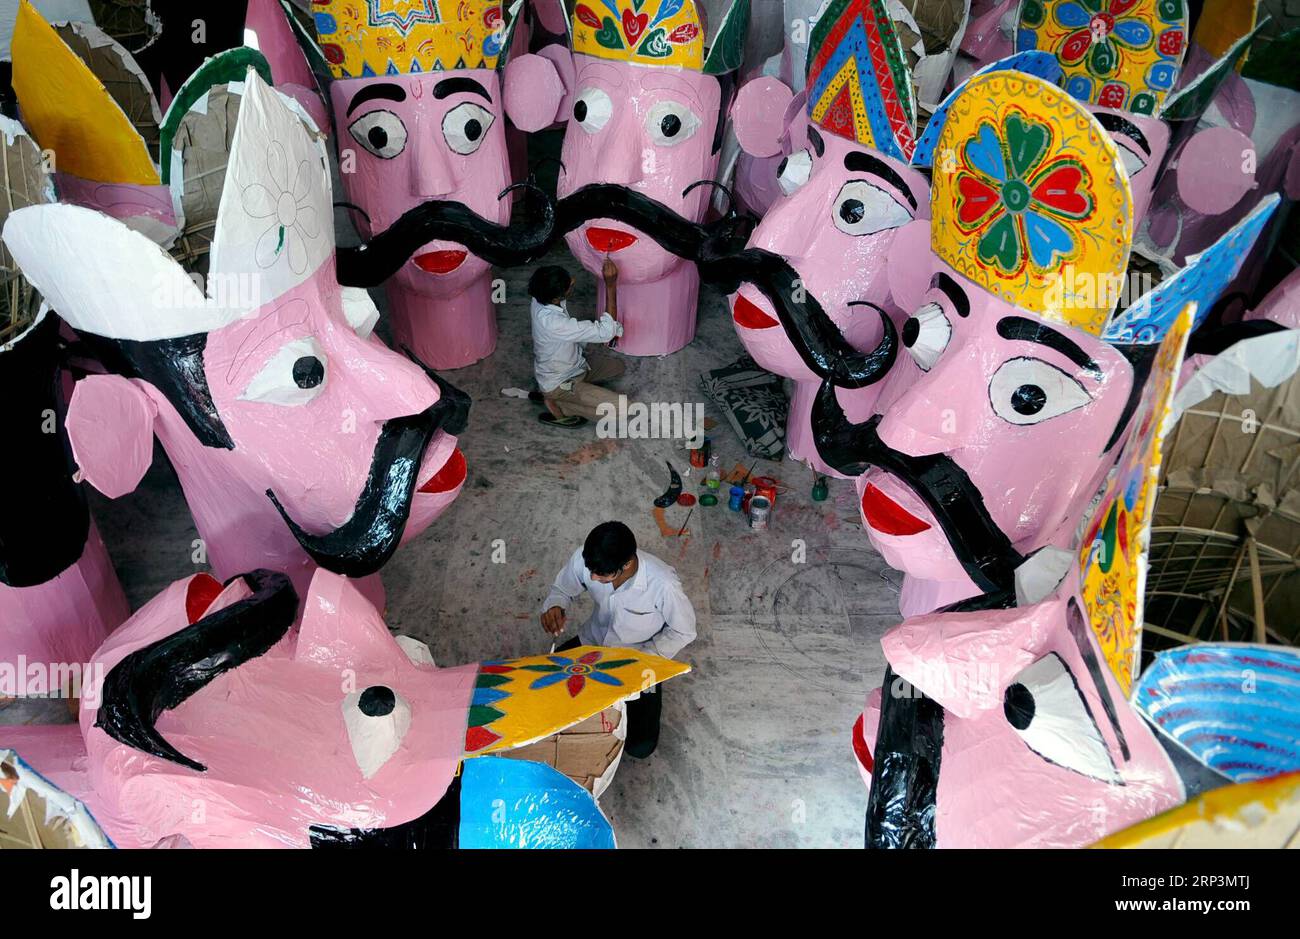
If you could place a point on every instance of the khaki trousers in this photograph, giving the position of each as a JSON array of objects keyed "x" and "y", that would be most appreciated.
[{"x": 586, "y": 395}]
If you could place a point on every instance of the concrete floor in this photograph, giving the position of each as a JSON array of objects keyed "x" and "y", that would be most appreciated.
[{"x": 755, "y": 747}]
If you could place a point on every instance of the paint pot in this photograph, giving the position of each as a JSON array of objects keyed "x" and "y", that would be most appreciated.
[
  {"x": 686, "y": 499},
  {"x": 760, "y": 512},
  {"x": 700, "y": 455},
  {"x": 708, "y": 498},
  {"x": 765, "y": 486},
  {"x": 820, "y": 489},
  {"x": 737, "y": 498}
]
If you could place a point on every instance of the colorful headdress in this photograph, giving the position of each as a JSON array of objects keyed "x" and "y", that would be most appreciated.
[
  {"x": 1030, "y": 201},
  {"x": 364, "y": 38},
  {"x": 273, "y": 232},
  {"x": 1122, "y": 54},
  {"x": 859, "y": 84},
  {"x": 660, "y": 32}
]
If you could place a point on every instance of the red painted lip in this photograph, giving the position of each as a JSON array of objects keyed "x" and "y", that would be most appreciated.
[
  {"x": 607, "y": 239},
  {"x": 451, "y": 475},
  {"x": 887, "y": 516},
  {"x": 440, "y": 262},
  {"x": 750, "y": 315},
  {"x": 860, "y": 748}
]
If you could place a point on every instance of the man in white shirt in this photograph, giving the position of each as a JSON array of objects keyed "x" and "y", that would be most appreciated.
[
  {"x": 570, "y": 385},
  {"x": 639, "y": 604}
]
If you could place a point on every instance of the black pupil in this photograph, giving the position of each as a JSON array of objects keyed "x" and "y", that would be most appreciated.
[
  {"x": 670, "y": 125},
  {"x": 473, "y": 129},
  {"x": 580, "y": 111},
  {"x": 911, "y": 331},
  {"x": 1028, "y": 399},
  {"x": 1018, "y": 706},
  {"x": 308, "y": 372},
  {"x": 852, "y": 211},
  {"x": 377, "y": 701},
  {"x": 378, "y": 137}
]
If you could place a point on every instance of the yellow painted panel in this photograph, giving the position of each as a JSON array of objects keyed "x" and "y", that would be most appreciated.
[
  {"x": 519, "y": 701},
  {"x": 68, "y": 110}
]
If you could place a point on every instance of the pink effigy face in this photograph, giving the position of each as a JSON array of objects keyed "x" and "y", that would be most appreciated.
[
  {"x": 650, "y": 130},
  {"x": 305, "y": 402},
  {"x": 336, "y": 725},
  {"x": 1040, "y": 747},
  {"x": 836, "y": 231},
  {"x": 1026, "y": 410},
  {"x": 421, "y": 137}
]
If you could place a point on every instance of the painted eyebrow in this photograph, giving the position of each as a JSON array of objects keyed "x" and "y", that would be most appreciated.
[
  {"x": 956, "y": 296},
  {"x": 1115, "y": 124},
  {"x": 384, "y": 90},
  {"x": 855, "y": 161},
  {"x": 815, "y": 139},
  {"x": 452, "y": 86},
  {"x": 1026, "y": 330}
]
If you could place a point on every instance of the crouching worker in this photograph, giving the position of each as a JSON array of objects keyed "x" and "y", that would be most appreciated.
[
  {"x": 570, "y": 385},
  {"x": 639, "y": 604}
]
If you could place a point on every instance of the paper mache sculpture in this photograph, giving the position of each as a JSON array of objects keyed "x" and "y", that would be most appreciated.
[
  {"x": 1027, "y": 230},
  {"x": 417, "y": 98},
  {"x": 646, "y": 89},
  {"x": 1124, "y": 59},
  {"x": 59, "y": 596},
  {"x": 1006, "y": 725},
  {"x": 330, "y": 734},
  {"x": 298, "y": 438},
  {"x": 853, "y": 185}
]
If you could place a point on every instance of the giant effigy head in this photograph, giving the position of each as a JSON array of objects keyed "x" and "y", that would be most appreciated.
[
  {"x": 849, "y": 189},
  {"x": 1124, "y": 59},
  {"x": 417, "y": 97},
  {"x": 645, "y": 90},
  {"x": 1005, "y": 724},
  {"x": 990, "y": 437},
  {"x": 331, "y": 733},
  {"x": 298, "y": 437}
]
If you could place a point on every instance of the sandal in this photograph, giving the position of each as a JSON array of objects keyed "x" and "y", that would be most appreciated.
[{"x": 546, "y": 417}]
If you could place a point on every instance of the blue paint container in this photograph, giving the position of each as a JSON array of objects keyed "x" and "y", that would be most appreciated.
[{"x": 737, "y": 498}]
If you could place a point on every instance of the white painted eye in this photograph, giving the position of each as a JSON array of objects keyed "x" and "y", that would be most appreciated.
[
  {"x": 1027, "y": 391},
  {"x": 465, "y": 127},
  {"x": 1046, "y": 708},
  {"x": 794, "y": 171},
  {"x": 360, "y": 310},
  {"x": 294, "y": 375},
  {"x": 592, "y": 109},
  {"x": 926, "y": 334},
  {"x": 864, "y": 209},
  {"x": 670, "y": 123},
  {"x": 377, "y": 719},
  {"x": 381, "y": 132},
  {"x": 1132, "y": 160}
]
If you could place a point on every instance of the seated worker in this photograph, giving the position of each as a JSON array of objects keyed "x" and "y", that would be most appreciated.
[
  {"x": 639, "y": 604},
  {"x": 569, "y": 384}
]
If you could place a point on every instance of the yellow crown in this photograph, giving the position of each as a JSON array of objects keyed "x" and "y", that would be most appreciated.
[
  {"x": 646, "y": 32},
  {"x": 361, "y": 38}
]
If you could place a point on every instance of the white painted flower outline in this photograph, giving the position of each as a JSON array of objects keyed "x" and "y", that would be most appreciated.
[{"x": 289, "y": 209}]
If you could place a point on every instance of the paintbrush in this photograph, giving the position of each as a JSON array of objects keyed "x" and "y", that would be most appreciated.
[{"x": 685, "y": 523}]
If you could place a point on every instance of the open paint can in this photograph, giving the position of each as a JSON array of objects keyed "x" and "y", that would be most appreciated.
[{"x": 760, "y": 512}]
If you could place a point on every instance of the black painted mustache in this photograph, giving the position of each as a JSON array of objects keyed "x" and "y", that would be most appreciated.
[
  {"x": 519, "y": 242},
  {"x": 165, "y": 673},
  {"x": 718, "y": 251},
  {"x": 365, "y": 542},
  {"x": 983, "y": 549}
]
